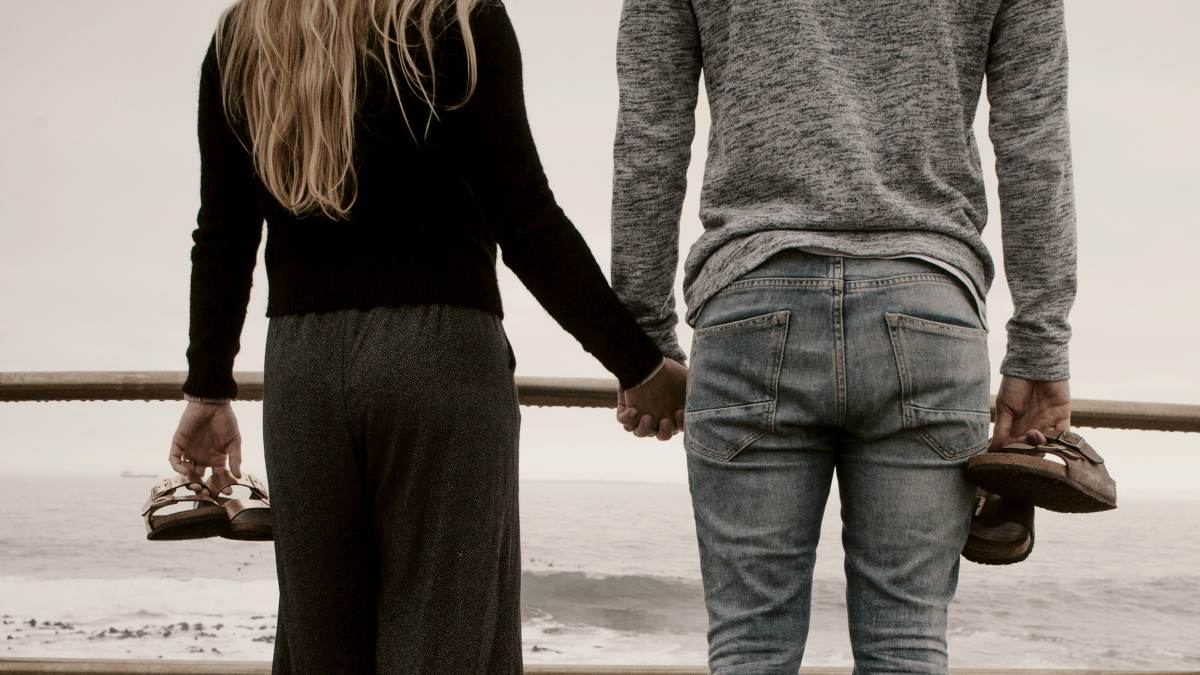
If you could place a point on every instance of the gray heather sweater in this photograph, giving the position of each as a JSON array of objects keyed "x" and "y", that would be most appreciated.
[{"x": 846, "y": 125}]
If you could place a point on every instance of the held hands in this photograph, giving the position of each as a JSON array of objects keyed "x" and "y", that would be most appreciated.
[
  {"x": 1025, "y": 409},
  {"x": 655, "y": 408},
  {"x": 207, "y": 437}
]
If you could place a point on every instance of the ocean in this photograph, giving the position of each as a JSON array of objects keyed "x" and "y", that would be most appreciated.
[{"x": 611, "y": 577}]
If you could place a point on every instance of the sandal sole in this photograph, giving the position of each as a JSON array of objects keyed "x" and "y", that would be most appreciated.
[
  {"x": 248, "y": 523},
  {"x": 1036, "y": 481},
  {"x": 982, "y": 552},
  {"x": 188, "y": 526}
]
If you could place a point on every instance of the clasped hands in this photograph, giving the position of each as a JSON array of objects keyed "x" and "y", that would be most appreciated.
[{"x": 655, "y": 407}]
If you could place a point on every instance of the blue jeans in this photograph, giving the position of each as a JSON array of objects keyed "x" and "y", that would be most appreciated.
[{"x": 810, "y": 365}]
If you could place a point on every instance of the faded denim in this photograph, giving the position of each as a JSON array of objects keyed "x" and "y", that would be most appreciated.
[{"x": 811, "y": 365}]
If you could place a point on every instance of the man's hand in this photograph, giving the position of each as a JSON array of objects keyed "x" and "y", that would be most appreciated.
[
  {"x": 207, "y": 436},
  {"x": 655, "y": 408},
  {"x": 1026, "y": 409}
]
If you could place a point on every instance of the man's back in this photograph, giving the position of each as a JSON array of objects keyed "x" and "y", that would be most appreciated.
[
  {"x": 846, "y": 126},
  {"x": 866, "y": 108}
]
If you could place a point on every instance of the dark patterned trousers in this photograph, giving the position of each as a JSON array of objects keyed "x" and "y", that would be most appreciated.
[{"x": 391, "y": 445}]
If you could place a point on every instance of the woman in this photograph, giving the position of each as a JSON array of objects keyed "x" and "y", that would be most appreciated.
[{"x": 386, "y": 144}]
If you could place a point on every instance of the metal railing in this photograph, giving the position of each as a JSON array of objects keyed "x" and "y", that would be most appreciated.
[
  {"x": 81, "y": 667},
  {"x": 534, "y": 391}
]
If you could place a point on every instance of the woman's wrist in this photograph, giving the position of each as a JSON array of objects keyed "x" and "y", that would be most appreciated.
[
  {"x": 206, "y": 401},
  {"x": 653, "y": 374}
]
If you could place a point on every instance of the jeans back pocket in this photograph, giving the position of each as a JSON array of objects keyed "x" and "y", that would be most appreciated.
[
  {"x": 733, "y": 384},
  {"x": 944, "y": 373}
]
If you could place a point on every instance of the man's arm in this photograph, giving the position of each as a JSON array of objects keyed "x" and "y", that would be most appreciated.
[
  {"x": 658, "y": 68},
  {"x": 1027, "y": 88}
]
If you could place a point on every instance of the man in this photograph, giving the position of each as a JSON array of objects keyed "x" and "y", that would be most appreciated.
[{"x": 838, "y": 289}]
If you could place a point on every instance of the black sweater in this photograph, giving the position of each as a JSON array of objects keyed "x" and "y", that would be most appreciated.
[{"x": 425, "y": 226}]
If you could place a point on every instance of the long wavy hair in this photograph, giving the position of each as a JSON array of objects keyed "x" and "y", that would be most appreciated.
[{"x": 291, "y": 75}]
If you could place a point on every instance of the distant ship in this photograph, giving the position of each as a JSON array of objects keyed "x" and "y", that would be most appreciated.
[{"x": 131, "y": 474}]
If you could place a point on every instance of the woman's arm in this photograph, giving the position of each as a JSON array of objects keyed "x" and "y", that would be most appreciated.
[
  {"x": 228, "y": 232},
  {"x": 495, "y": 149},
  {"x": 229, "y": 228}
]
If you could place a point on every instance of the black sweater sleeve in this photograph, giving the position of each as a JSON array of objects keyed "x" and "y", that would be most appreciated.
[
  {"x": 228, "y": 232},
  {"x": 494, "y": 148}
]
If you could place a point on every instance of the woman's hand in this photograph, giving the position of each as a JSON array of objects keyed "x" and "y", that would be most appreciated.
[
  {"x": 655, "y": 407},
  {"x": 207, "y": 437}
]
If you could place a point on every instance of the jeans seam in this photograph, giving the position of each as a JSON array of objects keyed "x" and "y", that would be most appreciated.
[
  {"x": 741, "y": 445},
  {"x": 941, "y": 450},
  {"x": 725, "y": 408},
  {"x": 886, "y": 282},
  {"x": 839, "y": 337},
  {"x": 953, "y": 411},
  {"x": 781, "y": 349},
  {"x": 901, "y": 368},
  {"x": 938, "y": 327},
  {"x": 778, "y": 282},
  {"x": 718, "y": 329}
]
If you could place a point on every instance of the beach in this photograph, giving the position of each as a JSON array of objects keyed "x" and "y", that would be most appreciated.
[{"x": 611, "y": 577}]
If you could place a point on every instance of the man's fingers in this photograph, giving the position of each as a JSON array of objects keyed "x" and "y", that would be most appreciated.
[
  {"x": 679, "y": 420},
  {"x": 629, "y": 419},
  {"x": 1003, "y": 428}
]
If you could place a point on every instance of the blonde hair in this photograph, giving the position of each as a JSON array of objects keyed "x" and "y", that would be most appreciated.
[{"x": 291, "y": 72}]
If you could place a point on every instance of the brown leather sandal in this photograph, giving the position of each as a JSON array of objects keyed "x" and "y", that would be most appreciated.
[
  {"x": 204, "y": 519},
  {"x": 248, "y": 510},
  {"x": 1080, "y": 484},
  {"x": 1001, "y": 530}
]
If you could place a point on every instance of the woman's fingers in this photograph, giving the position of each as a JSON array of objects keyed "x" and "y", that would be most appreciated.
[
  {"x": 182, "y": 464},
  {"x": 666, "y": 429},
  {"x": 220, "y": 480},
  {"x": 647, "y": 427},
  {"x": 175, "y": 457},
  {"x": 196, "y": 471},
  {"x": 235, "y": 457}
]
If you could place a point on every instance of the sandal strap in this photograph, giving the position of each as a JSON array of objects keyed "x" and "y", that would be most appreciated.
[
  {"x": 164, "y": 493},
  {"x": 258, "y": 489},
  {"x": 1067, "y": 445},
  {"x": 1077, "y": 443}
]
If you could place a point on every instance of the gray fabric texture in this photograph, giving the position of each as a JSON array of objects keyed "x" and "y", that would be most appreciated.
[
  {"x": 846, "y": 126},
  {"x": 391, "y": 445}
]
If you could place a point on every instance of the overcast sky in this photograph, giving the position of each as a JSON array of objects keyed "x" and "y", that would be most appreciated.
[{"x": 98, "y": 195}]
